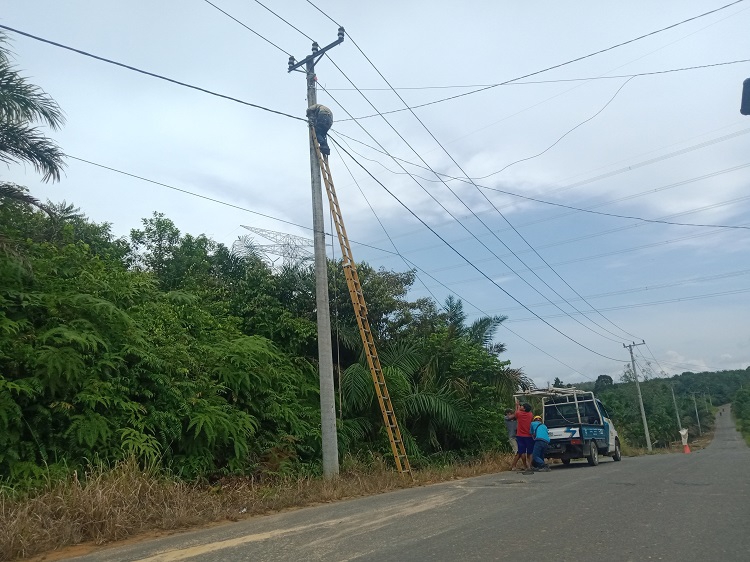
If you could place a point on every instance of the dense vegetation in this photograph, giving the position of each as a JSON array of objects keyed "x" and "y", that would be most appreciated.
[
  {"x": 170, "y": 348},
  {"x": 741, "y": 408}
]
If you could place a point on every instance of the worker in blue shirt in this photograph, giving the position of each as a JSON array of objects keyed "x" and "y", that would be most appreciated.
[{"x": 541, "y": 442}]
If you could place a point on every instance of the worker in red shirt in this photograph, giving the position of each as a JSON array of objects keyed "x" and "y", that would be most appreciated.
[{"x": 523, "y": 416}]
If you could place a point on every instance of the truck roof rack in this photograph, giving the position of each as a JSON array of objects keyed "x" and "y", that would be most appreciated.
[{"x": 552, "y": 391}]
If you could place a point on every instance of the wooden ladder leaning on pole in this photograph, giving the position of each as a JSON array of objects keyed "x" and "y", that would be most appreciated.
[{"x": 360, "y": 311}]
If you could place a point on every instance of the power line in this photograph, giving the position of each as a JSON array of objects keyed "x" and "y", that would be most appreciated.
[
  {"x": 466, "y": 259},
  {"x": 565, "y": 134},
  {"x": 285, "y": 21},
  {"x": 213, "y": 200},
  {"x": 647, "y": 304},
  {"x": 488, "y": 200},
  {"x": 249, "y": 28},
  {"x": 602, "y": 176},
  {"x": 456, "y": 163},
  {"x": 410, "y": 263},
  {"x": 152, "y": 74},
  {"x": 593, "y": 179},
  {"x": 474, "y": 214},
  {"x": 529, "y": 82},
  {"x": 578, "y": 209},
  {"x": 632, "y": 290},
  {"x": 611, "y": 253},
  {"x": 382, "y": 226},
  {"x": 469, "y": 208},
  {"x": 556, "y": 65}
]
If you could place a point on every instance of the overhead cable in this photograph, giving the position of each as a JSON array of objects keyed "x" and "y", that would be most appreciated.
[
  {"x": 489, "y": 201},
  {"x": 672, "y": 26},
  {"x": 530, "y": 82},
  {"x": 213, "y": 200},
  {"x": 249, "y": 28},
  {"x": 285, "y": 21},
  {"x": 646, "y": 304},
  {"x": 469, "y": 262},
  {"x": 152, "y": 74}
]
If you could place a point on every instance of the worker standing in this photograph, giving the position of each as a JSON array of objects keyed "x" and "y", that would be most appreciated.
[
  {"x": 523, "y": 416},
  {"x": 510, "y": 426}
]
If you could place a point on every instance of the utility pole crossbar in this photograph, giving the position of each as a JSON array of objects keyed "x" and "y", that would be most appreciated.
[{"x": 360, "y": 312}]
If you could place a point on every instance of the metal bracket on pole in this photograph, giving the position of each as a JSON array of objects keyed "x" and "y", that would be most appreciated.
[{"x": 316, "y": 52}]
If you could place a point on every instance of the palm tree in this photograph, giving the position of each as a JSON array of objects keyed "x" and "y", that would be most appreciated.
[{"x": 21, "y": 105}]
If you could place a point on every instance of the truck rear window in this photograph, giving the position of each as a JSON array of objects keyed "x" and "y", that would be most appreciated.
[{"x": 561, "y": 415}]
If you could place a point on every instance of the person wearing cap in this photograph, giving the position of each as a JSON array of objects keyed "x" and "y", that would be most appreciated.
[
  {"x": 541, "y": 442},
  {"x": 525, "y": 442},
  {"x": 510, "y": 426}
]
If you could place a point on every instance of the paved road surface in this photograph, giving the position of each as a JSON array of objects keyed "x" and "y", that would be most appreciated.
[{"x": 660, "y": 507}]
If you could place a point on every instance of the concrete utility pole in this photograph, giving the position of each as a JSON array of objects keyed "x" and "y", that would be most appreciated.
[
  {"x": 325, "y": 351},
  {"x": 640, "y": 397},
  {"x": 676, "y": 411},
  {"x": 697, "y": 417}
]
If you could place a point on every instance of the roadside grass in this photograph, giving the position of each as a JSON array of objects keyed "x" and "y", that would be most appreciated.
[{"x": 110, "y": 504}]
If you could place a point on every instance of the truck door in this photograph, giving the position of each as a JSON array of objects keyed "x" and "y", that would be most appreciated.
[{"x": 610, "y": 427}]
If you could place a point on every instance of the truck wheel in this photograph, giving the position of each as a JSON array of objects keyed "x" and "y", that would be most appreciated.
[
  {"x": 618, "y": 453},
  {"x": 566, "y": 462},
  {"x": 593, "y": 457}
]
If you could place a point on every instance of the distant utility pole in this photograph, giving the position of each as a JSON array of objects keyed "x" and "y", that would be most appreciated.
[
  {"x": 697, "y": 417},
  {"x": 677, "y": 412},
  {"x": 640, "y": 397},
  {"x": 325, "y": 350}
]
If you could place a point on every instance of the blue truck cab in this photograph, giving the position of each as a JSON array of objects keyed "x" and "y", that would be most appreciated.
[{"x": 579, "y": 425}]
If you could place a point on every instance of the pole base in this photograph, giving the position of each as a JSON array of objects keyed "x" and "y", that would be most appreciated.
[{"x": 686, "y": 448}]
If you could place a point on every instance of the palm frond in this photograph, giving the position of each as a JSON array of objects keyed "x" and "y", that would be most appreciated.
[
  {"x": 357, "y": 388},
  {"x": 20, "y": 142},
  {"x": 352, "y": 431},
  {"x": 398, "y": 383},
  {"x": 441, "y": 408},
  {"x": 483, "y": 329},
  {"x": 21, "y": 101},
  {"x": 403, "y": 355},
  {"x": 455, "y": 315},
  {"x": 14, "y": 192}
]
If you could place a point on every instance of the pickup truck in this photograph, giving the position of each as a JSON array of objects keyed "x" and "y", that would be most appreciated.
[{"x": 578, "y": 423}]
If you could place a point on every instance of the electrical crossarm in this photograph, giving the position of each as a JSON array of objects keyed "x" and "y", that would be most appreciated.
[{"x": 360, "y": 312}]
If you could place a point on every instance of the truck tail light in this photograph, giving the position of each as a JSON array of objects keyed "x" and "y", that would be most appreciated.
[{"x": 575, "y": 441}]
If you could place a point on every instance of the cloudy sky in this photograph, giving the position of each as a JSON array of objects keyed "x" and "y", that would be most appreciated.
[{"x": 575, "y": 285}]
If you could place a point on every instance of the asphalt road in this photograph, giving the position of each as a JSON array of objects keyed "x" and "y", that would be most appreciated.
[{"x": 660, "y": 507}]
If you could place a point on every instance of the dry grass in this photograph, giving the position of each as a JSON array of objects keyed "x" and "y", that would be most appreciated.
[{"x": 112, "y": 504}]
